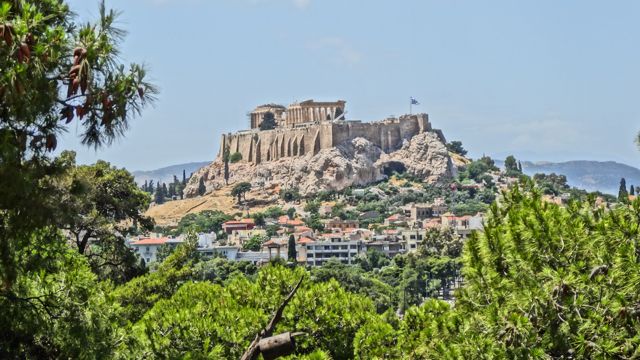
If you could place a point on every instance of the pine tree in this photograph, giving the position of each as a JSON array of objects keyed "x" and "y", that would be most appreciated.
[
  {"x": 291, "y": 252},
  {"x": 623, "y": 195},
  {"x": 201, "y": 188}
]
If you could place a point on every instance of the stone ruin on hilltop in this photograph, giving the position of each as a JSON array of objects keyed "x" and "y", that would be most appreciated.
[{"x": 313, "y": 148}]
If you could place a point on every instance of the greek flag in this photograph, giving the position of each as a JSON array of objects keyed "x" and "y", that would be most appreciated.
[{"x": 414, "y": 101}]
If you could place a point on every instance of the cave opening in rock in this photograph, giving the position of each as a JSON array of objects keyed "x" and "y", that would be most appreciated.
[{"x": 394, "y": 167}]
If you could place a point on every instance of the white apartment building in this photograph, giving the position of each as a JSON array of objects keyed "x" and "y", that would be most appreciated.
[{"x": 332, "y": 246}]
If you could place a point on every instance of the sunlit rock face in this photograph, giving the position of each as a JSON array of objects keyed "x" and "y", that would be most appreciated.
[{"x": 354, "y": 161}]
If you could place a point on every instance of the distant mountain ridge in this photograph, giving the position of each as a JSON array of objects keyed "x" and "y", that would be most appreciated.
[
  {"x": 589, "y": 175},
  {"x": 165, "y": 174}
]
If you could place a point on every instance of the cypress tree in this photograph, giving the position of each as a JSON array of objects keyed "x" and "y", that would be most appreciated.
[
  {"x": 184, "y": 177},
  {"x": 291, "y": 252},
  {"x": 150, "y": 189},
  {"x": 159, "y": 196},
  {"x": 623, "y": 195},
  {"x": 225, "y": 158},
  {"x": 632, "y": 190}
]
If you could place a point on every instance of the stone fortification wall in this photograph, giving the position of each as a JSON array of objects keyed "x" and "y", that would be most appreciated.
[{"x": 262, "y": 146}]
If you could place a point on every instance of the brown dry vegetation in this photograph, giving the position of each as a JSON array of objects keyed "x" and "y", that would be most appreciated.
[{"x": 169, "y": 213}]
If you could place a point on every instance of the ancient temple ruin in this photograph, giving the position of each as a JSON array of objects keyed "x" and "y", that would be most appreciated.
[
  {"x": 307, "y": 127},
  {"x": 308, "y": 111}
]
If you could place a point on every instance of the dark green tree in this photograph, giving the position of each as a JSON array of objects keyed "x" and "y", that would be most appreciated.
[
  {"x": 240, "y": 190},
  {"x": 226, "y": 158},
  {"x": 101, "y": 205},
  {"x": 623, "y": 195},
  {"x": 254, "y": 243},
  {"x": 159, "y": 195},
  {"x": 510, "y": 163},
  {"x": 632, "y": 190},
  {"x": 268, "y": 121},
  {"x": 456, "y": 148},
  {"x": 291, "y": 249}
]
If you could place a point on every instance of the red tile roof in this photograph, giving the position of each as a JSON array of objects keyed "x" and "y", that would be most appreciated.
[
  {"x": 151, "y": 241},
  {"x": 305, "y": 240}
]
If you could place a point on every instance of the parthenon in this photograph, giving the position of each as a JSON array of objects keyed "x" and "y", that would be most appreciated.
[{"x": 308, "y": 111}]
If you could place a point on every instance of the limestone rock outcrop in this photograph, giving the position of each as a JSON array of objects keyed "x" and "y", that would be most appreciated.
[{"x": 353, "y": 162}]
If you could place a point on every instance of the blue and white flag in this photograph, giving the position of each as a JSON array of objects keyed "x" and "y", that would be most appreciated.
[{"x": 414, "y": 101}]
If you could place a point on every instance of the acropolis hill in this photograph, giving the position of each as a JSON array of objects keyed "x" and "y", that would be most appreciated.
[{"x": 312, "y": 146}]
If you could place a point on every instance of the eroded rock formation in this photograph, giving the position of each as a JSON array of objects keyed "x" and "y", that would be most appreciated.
[{"x": 356, "y": 161}]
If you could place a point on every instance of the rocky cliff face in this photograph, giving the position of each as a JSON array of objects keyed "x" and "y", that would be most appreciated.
[{"x": 354, "y": 162}]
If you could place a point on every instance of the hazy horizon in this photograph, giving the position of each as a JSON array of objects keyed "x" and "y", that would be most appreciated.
[{"x": 542, "y": 81}]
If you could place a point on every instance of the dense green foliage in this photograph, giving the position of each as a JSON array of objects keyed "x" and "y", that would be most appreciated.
[
  {"x": 541, "y": 281},
  {"x": 207, "y": 221}
]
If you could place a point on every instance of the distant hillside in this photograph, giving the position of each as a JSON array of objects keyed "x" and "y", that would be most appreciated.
[
  {"x": 165, "y": 174},
  {"x": 601, "y": 176}
]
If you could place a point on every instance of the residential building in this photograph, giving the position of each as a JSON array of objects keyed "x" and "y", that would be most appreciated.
[
  {"x": 239, "y": 237},
  {"x": 228, "y": 251},
  {"x": 332, "y": 246},
  {"x": 245, "y": 224},
  {"x": 147, "y": 248},
  {"x": 337, "y": 223},
  {"x": 412, "y": 238},
  {"x": 462, "y": 225},
  {"x": 396, "y": 220},
  {"x": 389, "y": 248}
]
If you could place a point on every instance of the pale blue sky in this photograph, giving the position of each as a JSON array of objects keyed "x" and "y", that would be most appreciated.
[{"x": 543, "y": 80}]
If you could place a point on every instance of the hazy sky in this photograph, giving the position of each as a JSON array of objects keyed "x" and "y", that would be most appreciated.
[{"x": 543, "y": 80}]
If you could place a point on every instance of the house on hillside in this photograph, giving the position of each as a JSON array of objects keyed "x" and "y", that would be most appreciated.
[
  {"x": 245, "y": 224},
  {"x": 147, "y": 248}
]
